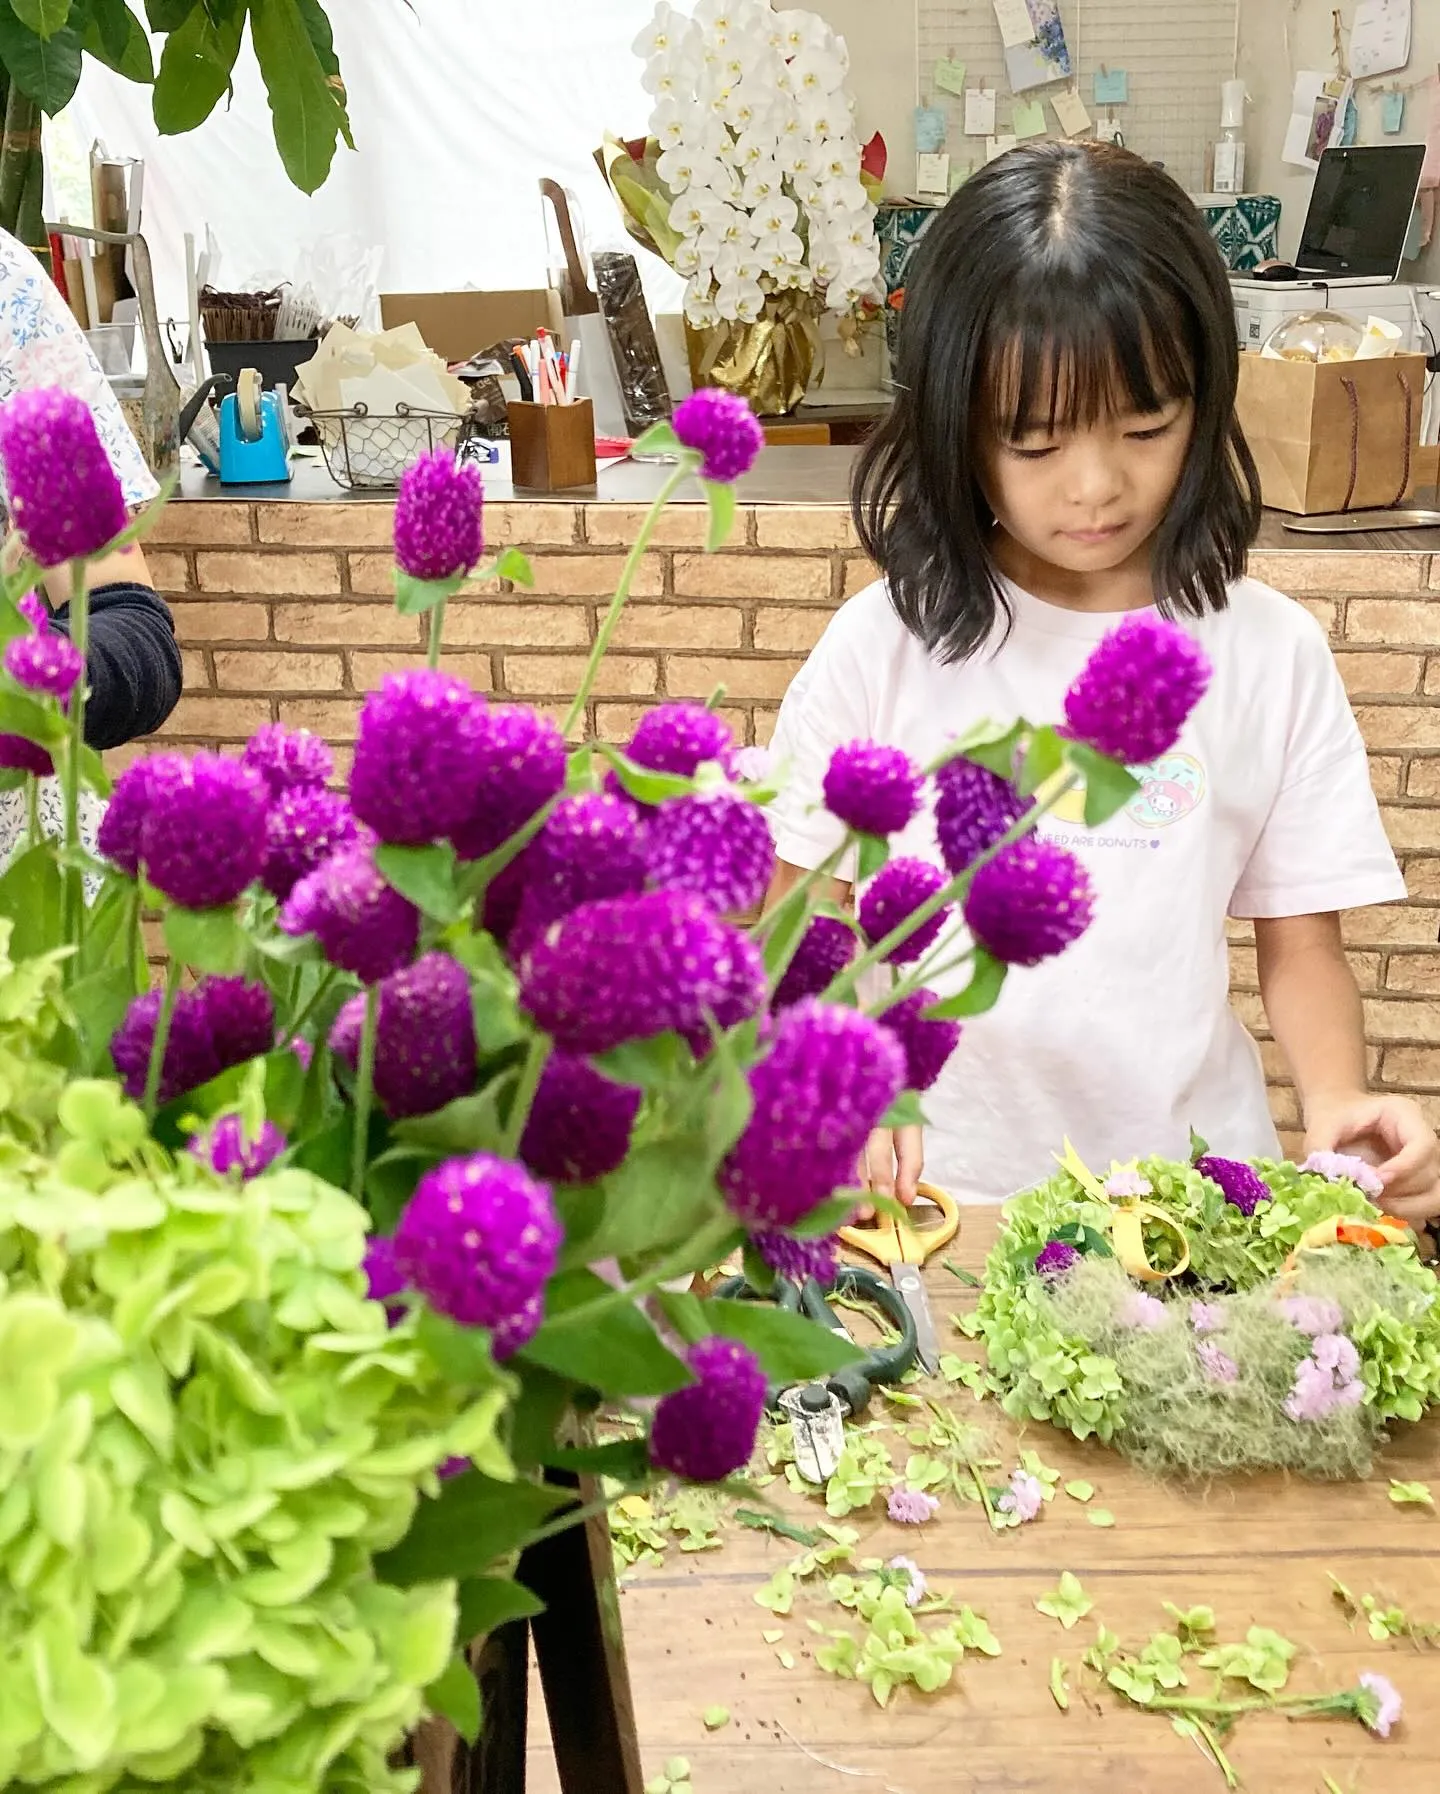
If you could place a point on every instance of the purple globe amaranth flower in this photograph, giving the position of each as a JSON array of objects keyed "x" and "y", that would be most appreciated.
[
  {"x": 439, "y": 517},
  {"x": 894, "y": 894},
  {"x": 222, "y": 1022},
  {"x": 65, "y": 498},
  {"x": 202, "y": 839},
  {"x": 680, "y": 738},
  {"x": 1341, "y": 1167},
  {"x": 384, "y": 1280},
  {"x": 478, "y": 1240},
  {"x": 722, "y": 429},
  {"x": 289, "y": 759},
  {"x": 304, "y": 828},
  {"x": 49, "y": 664},
  {"x": 630, "y": 967},
  {"x": 580, "y": 1122},
  {"x": 927, "y": 1045},
  {"x": 424, "y": 1036},
  {"x": 798, "y": 1259},
  {"x": 35, "y": 611},
  {"x": 1056, "y": 1258},
  {"x": 591, "y": 847},
  {"x": 1240, "y": 1184},
  {"x": 17, "y": 754},
  {"x": 119, "y": 838},
  {"x": 717, "y": 844},
  {"x": 974, "y": 808},
  {"x": 830, "y": 1075},
  {"x": 240, "y": 1017},
  {"x": 1137, "y": 690},
  {"x": 362, "y": 925},
  {"x": 518, "y": 759},
  {"x": 1029, "y": 903},
  {"x": 871, "y": 788},
  {"x": 826, "y": 948},
  {"x": 706, "y": 1431},
  {"x": 229, "y": 1148},
  {"x": 414, "y": 775},
  {"x": 741, "y": 994}
]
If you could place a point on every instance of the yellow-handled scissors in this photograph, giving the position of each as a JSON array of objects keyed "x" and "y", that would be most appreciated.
[{"x": 903, "y": 1247}]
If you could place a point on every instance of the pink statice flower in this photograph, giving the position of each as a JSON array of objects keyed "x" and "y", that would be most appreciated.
[
  {"x": 1207, "y": 1317},
  {"x": 1218, "y": 1366},
  {"x": 1024, "y": 1498},
  {"x": 915, "y": 1585},
  {"x": 1327, "y": 1380},
  {"x": 1312, "y": 1314},
  {"x": 1142, "y": 1311},
  {"x": 911, "y": 1507},
  {"x": 1341, "y": 1167},
  {"x": 1378, "y": 1703},
  {"x": 1126, "y": 1185}
]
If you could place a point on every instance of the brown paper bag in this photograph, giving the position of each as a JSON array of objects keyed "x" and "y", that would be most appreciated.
[{"x": 1332, "y": 435}]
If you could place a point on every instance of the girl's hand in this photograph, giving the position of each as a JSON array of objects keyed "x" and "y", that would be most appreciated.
[
  {"x": 1392, "y": 1132},
  {"x": 891, "y": 1164}
]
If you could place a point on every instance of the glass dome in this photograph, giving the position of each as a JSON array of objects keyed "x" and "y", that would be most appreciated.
[{"x": 1316, "y": 336}]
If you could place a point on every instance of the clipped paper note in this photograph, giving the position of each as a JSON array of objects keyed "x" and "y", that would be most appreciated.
[
  {"x": 950, "y": 76},
  {"x": 1070, "y": 110},
  {"x": 959, "y": 174},
  {"x": 1112, "y": 87},
  {"x": 929, "y": 130},
  {"x": 932, "y": 174},
  {"x": 980, "y": 112},
  {"x": 997, "y": 146},
  {"x": 1027, "y": 118},
  {"x": 1380, "y": 37},
  {"x": 1107, "y": 128},
  {"x": 1392, "y": 113},
  {"x": 1016, "y": 25}
]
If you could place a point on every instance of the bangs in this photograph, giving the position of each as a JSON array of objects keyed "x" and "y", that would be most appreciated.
[{"x": 1104, "y": 355}]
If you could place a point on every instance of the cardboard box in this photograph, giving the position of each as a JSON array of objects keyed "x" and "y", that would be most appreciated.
[
  {"x": 1333, "y": 435},
  {"x": 458, "y": 325}
]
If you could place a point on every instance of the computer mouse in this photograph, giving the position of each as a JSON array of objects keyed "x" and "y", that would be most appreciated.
[{"x": 1275, "y": 271}]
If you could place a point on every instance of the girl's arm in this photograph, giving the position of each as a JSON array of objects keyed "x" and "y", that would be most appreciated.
[
  {"x": 893, "y": 1158},
  {"x": 1314, "y": 1008}
]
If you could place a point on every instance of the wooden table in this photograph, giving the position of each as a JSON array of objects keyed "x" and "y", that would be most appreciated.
[{"x": 1259, "y": 1552}]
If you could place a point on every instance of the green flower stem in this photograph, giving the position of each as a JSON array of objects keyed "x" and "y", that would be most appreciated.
[
  {"x": 798, "y": 893},
  {"x": 364, "y": 1091},
  {"x": 845, "y": 982},
  {"x": 437, "y": 632},
  {"x": 32, "y": 811},
  {"x": 982, "y": 1489},
  {"x": 322, "y": 990},
  {"x": 702, "y": 1249},
  {"x": 572, "y": 1516},
  {"x": 678, "y": 476},
  {"x": 919, "y": 979},
  {"x": 1297, "y": 1706},
  {"x": 1212, "y": 1744},
  {"x": 162, "y": 1036},
  {"x": 74, "y": 877},
  {"x": 536, "y": 1055},
  {"x": 475, "y": 876}
]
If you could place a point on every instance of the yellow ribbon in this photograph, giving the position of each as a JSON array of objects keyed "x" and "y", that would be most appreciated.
[{"x": 1128, "y": 1219}]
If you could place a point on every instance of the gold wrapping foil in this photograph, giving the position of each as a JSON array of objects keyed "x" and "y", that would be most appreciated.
[{"x": 769, "y": 362}]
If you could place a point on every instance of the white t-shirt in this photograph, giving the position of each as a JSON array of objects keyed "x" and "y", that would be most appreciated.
[{"x": 1264, "y": 808}]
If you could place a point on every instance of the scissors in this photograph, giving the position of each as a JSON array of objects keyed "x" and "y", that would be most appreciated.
[{"x": 902, "y": 1248}]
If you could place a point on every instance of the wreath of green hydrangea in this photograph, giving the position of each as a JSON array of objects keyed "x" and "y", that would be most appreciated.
[{"x": 1260, "y": 1355}]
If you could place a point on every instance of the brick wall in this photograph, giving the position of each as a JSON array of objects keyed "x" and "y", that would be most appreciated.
[{"x": 284, "y": 612}]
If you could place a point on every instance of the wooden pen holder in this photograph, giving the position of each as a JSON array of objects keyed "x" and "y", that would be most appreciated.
[{"x": 552, "y": 447}]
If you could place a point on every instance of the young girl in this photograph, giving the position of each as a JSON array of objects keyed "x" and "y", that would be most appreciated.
[{"x": 1063, "y": 449}]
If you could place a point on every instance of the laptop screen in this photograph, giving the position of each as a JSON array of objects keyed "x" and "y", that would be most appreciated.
[{"x": 1360, "y": 211}]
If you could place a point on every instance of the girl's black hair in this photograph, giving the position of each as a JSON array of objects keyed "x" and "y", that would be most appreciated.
[{"x": 1064, "y": 281}]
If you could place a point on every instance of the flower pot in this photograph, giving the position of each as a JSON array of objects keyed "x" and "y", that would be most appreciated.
[{"x": 767, "y": 363}]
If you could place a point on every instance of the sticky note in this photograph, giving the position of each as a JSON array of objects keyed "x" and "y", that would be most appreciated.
[
  {"x": 1112, "y": 87},
  {"x": 929, "y": 130},
  {"x": 959, "y": 174},
  {"x": 1027, "y": 118},
  {"x": 932, "y": 174},
  {"x": 997, "y": 146},
  {"x": 1392, "y": 113},
  {"x": 950, "y": 76},
  {"x": 1016, "y": 25},
  {"x": 1107, "y": 128},
  {"x": 980, "y": 112},
  {"x": 1070, "y": 110}
]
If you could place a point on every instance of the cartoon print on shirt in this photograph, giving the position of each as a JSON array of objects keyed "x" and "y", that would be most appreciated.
[{"x": 1170, "y": 788}]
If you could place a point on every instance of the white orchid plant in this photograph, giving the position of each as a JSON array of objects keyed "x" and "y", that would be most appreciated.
[{"x": 758, "y": 186}]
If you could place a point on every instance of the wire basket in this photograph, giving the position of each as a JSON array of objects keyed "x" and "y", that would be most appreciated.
[{"x": 370, "y": 450}]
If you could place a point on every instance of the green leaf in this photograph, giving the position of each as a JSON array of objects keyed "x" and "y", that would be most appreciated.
[
  {"x": 468, "y": 1527},
  {"x": 46, "y": 70},
  {"x": 1044, "y": 757},
  {"x": 662, "y": 1193},
  {"x": 44, "y": 17},
  {"x": 1100, "y": 1516},
  {"x": 515, "y": 566},
  {"x": 455, "y": 1695},
  {"x": 659, "y": 439},
  {"x": 31, "y": 892},
  {"x": 905, "y": 1111},
  {"x": 414, "y": 597},
  {"x": 98, "y": 1002},
  {"x": 715, "y": 1719},
  {"x": 616, "y": 1352},
  {"x": 1080, "y": 1490},
  {"x": 1068, "y": 1603},
  {"x": 791, "y": 1349},
  {"x": 825, "y": 1217},
  {"x": 623, "y": 1460},
  {"x": 990, "y": 747},
  {"x": 1411, "y": 1494},
  {"x": 469, "y": 1124},
  {"x": 640, "y": 782},
  {"x": 196, "y": 64},
  {"x": 981, "y": 994},
  {"x": 461, "y": 1354},
  {"x": 210, "y": 940},
  {"x": 488, "y": 1602},
  {"x": 307, "y": 111},
  {"x": 1108, "y": 785},
  {"x": 114, "y": 36},
  {"x": 1058, "y": 1692},
  {"x": 426, "y": 875},
  {"x": 20, "y": 715},
  {"x": 874, "y": 851},
  {"x": 721, "y": 500}
]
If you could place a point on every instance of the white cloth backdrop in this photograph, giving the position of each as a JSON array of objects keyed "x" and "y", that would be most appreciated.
[{"x": 458, "y": 108}]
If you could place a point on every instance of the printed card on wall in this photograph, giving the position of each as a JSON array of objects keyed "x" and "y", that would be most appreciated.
[
  {"x": 1070, "y": 110},
  {"x": 932, "y": 174},
  {"x": 1027, "y": 118},
  {"x": 1112, "y": 87},
  {"x": 1016, "y": 25},
  {"x": 950, "y": 76},
  {"x": 980, "y": 112},
  {"x": 1046, "y": 57},
  {"x": 930, "y": 127}
]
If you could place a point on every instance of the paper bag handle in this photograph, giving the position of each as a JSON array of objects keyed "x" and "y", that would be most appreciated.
[{"x": 1354, "y": 398}]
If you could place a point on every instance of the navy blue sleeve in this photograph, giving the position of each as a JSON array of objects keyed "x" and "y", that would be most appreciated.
[{"x": 133, "y": 663}]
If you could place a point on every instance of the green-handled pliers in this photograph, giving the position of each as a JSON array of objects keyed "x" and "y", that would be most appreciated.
[{"x": 852, "y": 1386}]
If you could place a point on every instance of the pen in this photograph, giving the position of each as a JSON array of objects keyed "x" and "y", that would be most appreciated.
[
  {"x": 572, "y": 363},
  {"x": 522, "y": 374}
]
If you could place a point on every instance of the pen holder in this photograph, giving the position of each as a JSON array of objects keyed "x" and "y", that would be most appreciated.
[{"x": 552, "y": 447}]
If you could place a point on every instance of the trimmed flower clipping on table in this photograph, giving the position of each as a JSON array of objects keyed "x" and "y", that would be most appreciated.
[{"x": 322, "y": 1251}]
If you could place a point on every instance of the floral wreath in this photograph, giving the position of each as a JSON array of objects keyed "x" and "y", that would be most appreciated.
[{"x": 1213, "y": 1316}]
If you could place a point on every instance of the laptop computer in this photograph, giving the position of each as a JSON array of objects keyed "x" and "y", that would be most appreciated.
[{"x": 1359, "y": 214}]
